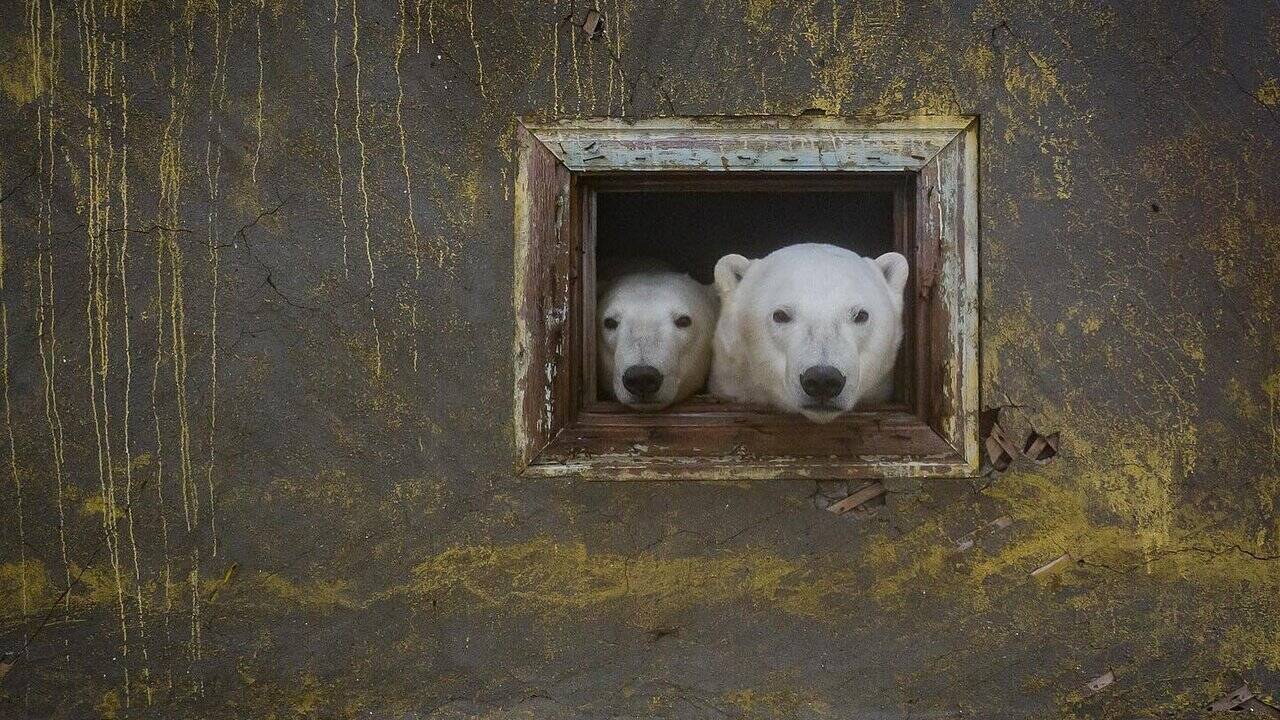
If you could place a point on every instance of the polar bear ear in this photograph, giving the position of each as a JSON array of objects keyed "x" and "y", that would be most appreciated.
[
  {"x": 729, "y": 272},
  {"x": 894, "y": 267}
]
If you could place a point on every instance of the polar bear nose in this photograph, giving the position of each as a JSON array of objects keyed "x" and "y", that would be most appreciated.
[
  {"x": 822, "y": 382},
  {"x": 642, "y": 380}
]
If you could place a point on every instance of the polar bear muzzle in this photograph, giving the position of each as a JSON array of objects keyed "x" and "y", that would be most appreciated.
[
  {"x": 653, "y": 342},
  {"x": 642, "y": 381},
  {"x": 822, "y": 382},
  {"x": 810, "y": 328}
]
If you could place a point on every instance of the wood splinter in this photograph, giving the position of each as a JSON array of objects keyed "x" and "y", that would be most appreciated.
[
  {"x": 860, "y": 497},
  {"x": 1052, "y": 565},
  {"x": 1102, "y": 681},
  {"x": 1000, "y": 450},
  {"x": 1242, "y": 698},
  {"x": 1040, "y": 449},
  {"x": 591, "y": 25}
]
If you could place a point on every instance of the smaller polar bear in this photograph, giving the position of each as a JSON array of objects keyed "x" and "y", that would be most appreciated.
[
  {"x": 653, "y": 334},
  {"x": 810, "y": 328}
]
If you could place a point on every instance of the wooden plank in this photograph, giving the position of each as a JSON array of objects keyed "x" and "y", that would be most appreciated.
[
  {"x": 927, "y": 250},
  {"x": 613, "y": 181},
  {"x": 969, "y": 404},
  {"x": 737, "y": 467},
  {"x": 752, "y": 152},
  {"x": 747, "y": 434},
  {"x": 729, "y": 123},
  {"x": 542, "y": 298},
  {"x": 751, "y": 144},
  {"x": 954, "y": 322},
  {"x": 585, "y": 198},
  {"x": 904, "y": 241},
  {"x": 859, "y": 497}
]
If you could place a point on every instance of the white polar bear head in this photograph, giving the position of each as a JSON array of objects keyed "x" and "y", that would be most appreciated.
[
  {"x": 653, "y": 336},
  {"x": 810, "y": 328}
]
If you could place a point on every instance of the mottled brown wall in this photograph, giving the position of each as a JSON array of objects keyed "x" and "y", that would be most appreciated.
[{"x": 257, "y": 371}]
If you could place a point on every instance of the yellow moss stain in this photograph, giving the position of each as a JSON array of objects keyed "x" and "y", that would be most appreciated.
[
  {"x": 1269, "y": 93},
  {"x": 1036, "y": 84},
  {"x": 95, "y": 505},
  {"x": 314, "y": 594},
  {"x": 24, "y": 580},
  {"x": 109, "y": 705},
  {"x": 934, "y": 100},
  {"x": 1132, "y": 468},
  {"x": 458, "y": 199},
  {"x": 97, "y": 587},
  {"x": 15, "y": 71},
  {"x": 1015, "y": 332},
  {"x": 981, "y": 59},
  {"x": 841, "y": 43},
  {"x": 308, "y": 697},
  {"x": 1241, "y": 399},
  {"x": 1244, "y": 647},
  {"x": 564, "y": 579},
  {"x": 1111, "y": 501},
  {"x": 1239, "y": 233},
  {"x": 902, "y": 566},
  {"x": 330, "y": 488},
  {"x": 758, "y": 12},
  {"x": 778, "y": 703}
]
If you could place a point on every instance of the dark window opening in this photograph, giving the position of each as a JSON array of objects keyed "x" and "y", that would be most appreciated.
[
  {"x": 690, "y": 231},
  {"x": 689, "y": 223}
]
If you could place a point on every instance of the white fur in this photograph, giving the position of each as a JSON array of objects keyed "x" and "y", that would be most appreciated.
[
  {"x": 821, "y": 288},
  {"x": 646, "y": 299}
]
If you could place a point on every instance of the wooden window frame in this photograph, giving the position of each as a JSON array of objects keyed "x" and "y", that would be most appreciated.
[{"x": 930, "y": 163}]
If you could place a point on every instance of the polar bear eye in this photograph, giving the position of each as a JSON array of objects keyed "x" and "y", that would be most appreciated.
[
  {"x": 861, "y": 317},
  {"x": 610, "y": 323},
  {"x": 781, "y": 316},
  {"x": 684, "y": 321}
]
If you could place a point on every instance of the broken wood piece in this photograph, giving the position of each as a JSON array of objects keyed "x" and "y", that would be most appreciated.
[
  {"x": 1052, "y": 565},
  {"x": 592, "y": 24},
  {"x": 1040, "y": 449},
  {"x": 1102, "y": 681},
  {"x": 859, "y": 497},
  {"x": 1232, "y": 700},
  {"x": 1257, "y": 707},
  {"x": 1000, "y": 450},
  {"x": 222, "y": 582},
  {"x": 1002, "y": 522}
]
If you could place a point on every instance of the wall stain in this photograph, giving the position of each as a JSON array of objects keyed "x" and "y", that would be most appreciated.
[{"x": 192, "y": 384}]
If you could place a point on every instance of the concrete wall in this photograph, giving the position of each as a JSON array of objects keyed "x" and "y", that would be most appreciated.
[{"x": 257, "y": 382}]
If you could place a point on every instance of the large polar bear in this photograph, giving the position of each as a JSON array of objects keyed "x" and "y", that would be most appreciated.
[
  {"x": 653, "y": 334},
  {"x": 810, "y": 328}
]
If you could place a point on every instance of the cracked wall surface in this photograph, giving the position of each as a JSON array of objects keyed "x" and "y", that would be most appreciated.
[{"x": 255, "y": 270}]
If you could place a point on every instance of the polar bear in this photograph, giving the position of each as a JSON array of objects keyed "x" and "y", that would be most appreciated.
[
  {"x": 809, "y": 328},
  {"x": 653, "y": 334}
]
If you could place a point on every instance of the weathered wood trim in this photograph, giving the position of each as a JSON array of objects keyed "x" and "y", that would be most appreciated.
[
  {"x": 946, "y": 315},
  {"x": 748, "y": 467},
  {"x": 562, "y": 430},
  {"x": 967, "y": 340},
  {"x": 585, "y": 211},
  {"x": 794, "y": 123},
  {"x": 543, "y": 296},
  {"x": 753, "y": 144}
]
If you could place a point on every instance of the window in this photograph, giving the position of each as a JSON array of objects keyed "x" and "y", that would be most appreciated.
[{"x": 906, "y": 185}]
